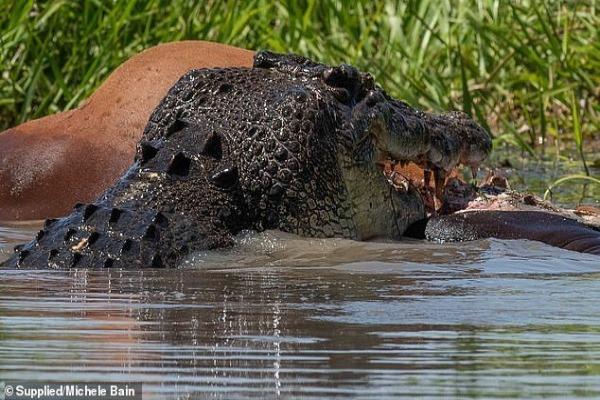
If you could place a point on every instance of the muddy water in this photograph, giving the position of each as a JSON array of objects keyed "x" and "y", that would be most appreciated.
[{"x": 281, "y": 316}]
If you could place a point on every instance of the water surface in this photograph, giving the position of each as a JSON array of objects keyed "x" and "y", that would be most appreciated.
[{"x": 281, "y": 316}]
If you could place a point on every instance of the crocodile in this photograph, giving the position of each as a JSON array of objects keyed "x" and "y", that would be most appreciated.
[{"x": 288, "y": 144}]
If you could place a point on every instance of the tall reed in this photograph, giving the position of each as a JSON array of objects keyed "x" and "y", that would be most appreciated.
[{"x": 528, "y": 70}]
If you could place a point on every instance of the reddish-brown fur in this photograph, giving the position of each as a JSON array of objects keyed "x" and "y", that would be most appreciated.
[{"x": 49, "y": 164}]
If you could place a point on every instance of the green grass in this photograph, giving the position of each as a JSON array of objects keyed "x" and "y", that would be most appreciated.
[{"x": 529, "y": 70}]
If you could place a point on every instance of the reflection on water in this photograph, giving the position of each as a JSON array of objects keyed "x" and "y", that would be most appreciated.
[{"x": 290, "y": 317}]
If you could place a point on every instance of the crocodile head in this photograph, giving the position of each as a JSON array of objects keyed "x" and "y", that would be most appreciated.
[
  {"x": 375, "y": 129},
  {"x": 350, "y": 127}
]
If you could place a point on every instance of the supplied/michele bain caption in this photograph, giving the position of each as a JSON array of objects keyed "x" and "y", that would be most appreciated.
[{"x": 70, "y": 391}]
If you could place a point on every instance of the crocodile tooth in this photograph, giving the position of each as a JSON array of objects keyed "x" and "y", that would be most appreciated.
[
  {"x": 439, "y": 178},
  {"x": 474, "y": 169},
  {"x": 179, "y": 165},
  {"x": 226, "y": 178},
  {"x": 147, "y": 152},
  {"x": 115, "y": 214},
  {"x": 89, "y": 210},
  {"x": 212, "y": 146},
  {"x": 18, "y": 248},
  {"x": 176, "y": 126}
]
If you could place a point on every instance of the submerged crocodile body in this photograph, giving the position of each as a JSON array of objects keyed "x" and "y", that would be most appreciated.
[{"x": 289, "y": 144}]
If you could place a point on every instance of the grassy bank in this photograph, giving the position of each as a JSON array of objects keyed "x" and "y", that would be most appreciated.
[{"x": 527, "y": 70}]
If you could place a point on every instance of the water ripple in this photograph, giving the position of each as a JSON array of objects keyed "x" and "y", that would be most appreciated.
[{"x": 280, "y": 316}]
